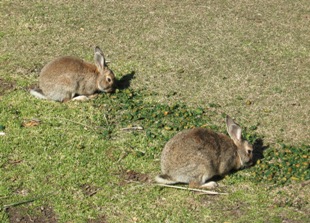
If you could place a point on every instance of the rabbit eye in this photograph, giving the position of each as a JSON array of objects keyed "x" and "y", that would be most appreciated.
[
  {"x": 109, "y": 79},
  {"x": 249, "y": 152}
]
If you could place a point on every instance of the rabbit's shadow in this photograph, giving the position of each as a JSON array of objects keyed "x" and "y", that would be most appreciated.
[
  {"x": 258, "y": 150},
  {"x": 125, "y": 81}
]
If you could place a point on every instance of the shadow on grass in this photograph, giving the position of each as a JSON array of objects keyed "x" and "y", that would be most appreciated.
[
  {"x": 258, "y": 151},
  {"x": 124, "y": 82}
]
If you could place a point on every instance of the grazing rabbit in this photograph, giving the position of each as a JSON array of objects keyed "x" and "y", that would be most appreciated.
[
  {"x": 66, "y": 77},
  {"x": 196, "y": 155}
]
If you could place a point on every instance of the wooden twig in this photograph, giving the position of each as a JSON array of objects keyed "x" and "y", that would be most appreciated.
[
  {"x": 133, "y": 128},
  {"x": 6, "y": 206},
  {"x": 193, "y": 189},
  {"x": 78, "y": 123}
]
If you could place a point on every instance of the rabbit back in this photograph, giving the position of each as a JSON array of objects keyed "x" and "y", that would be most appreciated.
[{"x": 197, "y": 155}]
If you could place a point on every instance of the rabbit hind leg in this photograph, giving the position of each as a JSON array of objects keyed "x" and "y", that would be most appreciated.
[
  {"x": 58, "y": 94},
  {"x": 164, "y": 179}
]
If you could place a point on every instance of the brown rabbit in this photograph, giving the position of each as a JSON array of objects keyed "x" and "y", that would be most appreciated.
[
  {"x": 66, "y": 77},
  {"x": 195, "y": 156}
]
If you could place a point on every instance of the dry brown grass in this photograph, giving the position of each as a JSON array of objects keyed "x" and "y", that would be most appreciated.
[{"x": 251, "y": 58}]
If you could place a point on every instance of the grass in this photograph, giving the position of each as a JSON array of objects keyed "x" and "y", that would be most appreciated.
[
  {"x": 76, "y": 155},
  {"x": 187, "y": 64}
]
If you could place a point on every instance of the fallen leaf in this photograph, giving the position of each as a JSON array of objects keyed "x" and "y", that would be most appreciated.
[{"x": 31, "y": 123}]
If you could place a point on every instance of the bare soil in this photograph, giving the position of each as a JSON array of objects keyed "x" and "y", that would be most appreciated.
[
  {"x": 25, "y": 214},
  {"x": 6, "y": 86}
]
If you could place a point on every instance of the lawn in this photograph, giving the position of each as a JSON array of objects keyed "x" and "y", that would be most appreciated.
[{"x": 180, "y": 64}]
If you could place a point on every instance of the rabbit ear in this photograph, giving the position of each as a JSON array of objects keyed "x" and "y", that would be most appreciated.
[
  {"x": 99, "y": 58},
  {"x": 233, "y": 129}
]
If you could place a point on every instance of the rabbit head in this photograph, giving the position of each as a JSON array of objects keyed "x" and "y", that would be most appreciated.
[
  {"x": 244, "y": 148},
  {"x": 106, "y": 78}
]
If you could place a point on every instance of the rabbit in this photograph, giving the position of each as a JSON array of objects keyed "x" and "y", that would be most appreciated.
[
  {"x": 196, "y": 155},
  {"x": 66, "y": 77}
]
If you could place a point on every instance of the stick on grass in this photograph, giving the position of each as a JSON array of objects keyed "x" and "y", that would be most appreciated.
[
  {"x": 193, "y": 189},
  {"x": 133, "y": 128},
  {"x": 6, "y": 206}
]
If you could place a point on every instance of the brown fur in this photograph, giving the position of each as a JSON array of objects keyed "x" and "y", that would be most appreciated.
[
  {"x": 66, "y": 77},
  {"x": 198, "y": 154}
]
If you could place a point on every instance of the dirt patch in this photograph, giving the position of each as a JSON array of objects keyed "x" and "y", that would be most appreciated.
[
  {"x": 89, "y": 190},
  {"x": 128, "y": 176},
  {"x": 6, "y": 86},
  {"x": 25, "y": 214},
  {"x": 101, "y": 219}
]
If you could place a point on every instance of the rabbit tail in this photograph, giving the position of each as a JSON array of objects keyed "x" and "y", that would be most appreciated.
[
  {"x": 38, "y": 93},
  {"x": 164, "y": 179}
]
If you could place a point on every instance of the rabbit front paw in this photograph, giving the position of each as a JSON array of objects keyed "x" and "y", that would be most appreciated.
[
  {"x": 80, "y": 98},
  {"x": 210, "y": 185}
]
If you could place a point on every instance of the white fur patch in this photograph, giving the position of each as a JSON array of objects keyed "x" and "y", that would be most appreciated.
[
  {"x": 37, "y": 94},
  {"x": 210, "y": 185},
  {"x": 161, "y": 180},
  {"x": 80, "y": 98}
]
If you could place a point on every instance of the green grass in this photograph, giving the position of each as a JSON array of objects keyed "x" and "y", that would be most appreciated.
[
  {"x": 191, "y": 63},
  {"x": 77, "y": 160}
]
